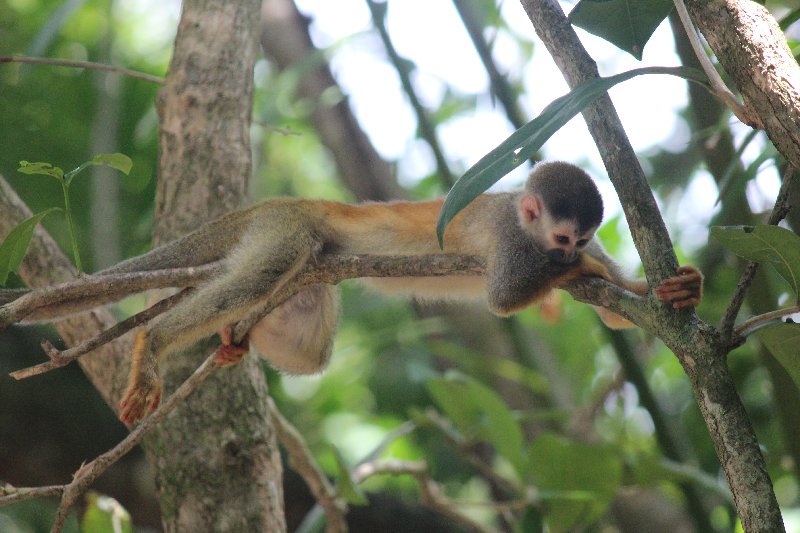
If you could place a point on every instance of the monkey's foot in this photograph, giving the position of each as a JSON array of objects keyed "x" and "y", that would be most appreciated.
[
  {"x": 229, "y": 352},
  {"x": 682, "y": 290},
  {"x": 138, "y": 401}
]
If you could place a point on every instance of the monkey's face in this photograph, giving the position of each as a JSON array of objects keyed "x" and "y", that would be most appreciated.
[
  {"x": 565, "y": 241},
  {"x": 561, "y": 239}
]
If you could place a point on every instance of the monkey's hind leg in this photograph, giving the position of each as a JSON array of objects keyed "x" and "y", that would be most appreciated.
[{"x": 253, "y": 275}]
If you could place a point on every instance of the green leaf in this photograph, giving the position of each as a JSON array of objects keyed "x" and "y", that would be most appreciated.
[
  {"x": 627, "y": 24},
  {"x": 347, "y": 487},
  {"x": 773, "y": 245},
  {"x": 531, "y": 521},
  {"x": 578, "y": 480},
  {"x": 105, "y": 515},
  {"x": 524, "y": 142},
  {"x": 15, "y": 245},
  {"x": 41, "y": 168},
  {"x": 782, "y": 341},
  {"x": 117, "y": 161},
  {"x": 478, "y": 411}
]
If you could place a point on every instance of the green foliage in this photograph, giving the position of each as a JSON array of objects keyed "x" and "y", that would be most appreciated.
[
  {"x": 15, "y": 245},
  {"x": 627, "y": 24},
  {"x": 782, "y": 340},
  {"x": 478, "y": 412},
  {"x": 105, "y": 515},
  {"x": 523, "y": 143},
  {"x": 576, "y": 480},
  {"x": 772, "y": 245}
]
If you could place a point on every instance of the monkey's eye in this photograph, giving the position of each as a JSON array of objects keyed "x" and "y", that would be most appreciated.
[
  {"x": 581, "y": 243},
  {"x": 562, "y": 239}
]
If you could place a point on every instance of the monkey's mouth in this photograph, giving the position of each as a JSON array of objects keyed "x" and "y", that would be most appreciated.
[{"x": 557, "y": 255}]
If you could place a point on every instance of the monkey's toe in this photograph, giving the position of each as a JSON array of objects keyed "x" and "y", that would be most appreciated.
[
  {"x": 230, "y": 352},
  {"x": 136, "y": 403}
]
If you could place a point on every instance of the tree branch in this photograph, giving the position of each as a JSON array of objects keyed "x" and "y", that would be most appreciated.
[
  {"x": 718, "y": 87},
  {"x": 135, "y": 74}
]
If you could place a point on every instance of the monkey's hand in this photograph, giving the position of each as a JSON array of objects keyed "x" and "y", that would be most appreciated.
[
  {"x": 229, "y": 352},
  {"x": 682, "y": 290},
  {"x": 144, "y": 386}
]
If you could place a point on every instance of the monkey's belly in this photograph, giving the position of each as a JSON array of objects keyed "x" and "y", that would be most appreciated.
[{"x": 433, "y": 287}]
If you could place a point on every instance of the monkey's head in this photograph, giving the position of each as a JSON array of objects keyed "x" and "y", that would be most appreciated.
[{"x": 561, "y": 209}]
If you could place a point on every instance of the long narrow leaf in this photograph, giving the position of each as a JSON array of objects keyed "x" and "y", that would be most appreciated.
[{"x": 524, "y": 142}]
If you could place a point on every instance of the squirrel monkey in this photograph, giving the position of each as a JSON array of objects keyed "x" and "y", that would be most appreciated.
[{"x": 533, "y": 241}]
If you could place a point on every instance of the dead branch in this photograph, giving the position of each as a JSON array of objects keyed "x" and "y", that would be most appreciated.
[
  {"x": 303, "y": 462},
  {"x": 59, "y": 358}
]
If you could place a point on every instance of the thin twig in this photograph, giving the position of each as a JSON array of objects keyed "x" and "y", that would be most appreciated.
[
  {"x": 426, "y": 128},
  {"x": 445, "y": 427},
  {"x": 779, "y": 211},
  {"x": 431, "y": 492},
  {"x": 718, "y": 87},
  {"x": 59, "y": 358},
  {"x": 302, "y": 461},
  {"x": 748, "y": 326},
  {"x": 88, "y": 473},
  {"x": 82, "y": 64},
  {"x": 10, "y": 494}
]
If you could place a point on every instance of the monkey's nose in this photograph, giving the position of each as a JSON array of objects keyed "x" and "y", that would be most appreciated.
[{"x": 557, "y": 255}]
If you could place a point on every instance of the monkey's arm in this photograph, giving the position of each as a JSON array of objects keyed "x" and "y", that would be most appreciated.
[{"x": 682, "y": 290}]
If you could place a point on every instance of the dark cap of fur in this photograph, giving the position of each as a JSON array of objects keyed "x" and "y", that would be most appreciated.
[{"x": 568, "y": 193}]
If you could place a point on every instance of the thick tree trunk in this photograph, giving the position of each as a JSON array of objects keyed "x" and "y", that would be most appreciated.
[{"x": 216, "y": 460}]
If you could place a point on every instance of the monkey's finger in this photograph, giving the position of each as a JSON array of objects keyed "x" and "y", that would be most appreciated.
[
  {"x": 672, "y": 287},
  {"x": 666, "y": 289},
  {"x": 226, "y": 335},
  {"x": 694, "y": 302},
  {"x": 675, "y": 295},
  {"x": 685, "y": 279}
]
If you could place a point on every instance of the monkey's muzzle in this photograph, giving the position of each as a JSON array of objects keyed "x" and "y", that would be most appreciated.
[{"x": 557, "y": 255}]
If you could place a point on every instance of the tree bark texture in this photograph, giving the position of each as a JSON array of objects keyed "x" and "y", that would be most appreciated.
[
  {"x": 753, "y": 50},
  {"x": 216, "y": 459},
  {"x": 697, "y": 345}
]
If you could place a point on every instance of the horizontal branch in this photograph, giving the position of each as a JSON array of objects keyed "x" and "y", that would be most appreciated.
[
  {"x": 91, "y": 291},
  {"x": 82, "y": 64}
]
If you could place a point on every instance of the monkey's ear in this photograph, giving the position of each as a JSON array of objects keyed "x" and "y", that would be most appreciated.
[{"x": 530, "y": 208}]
